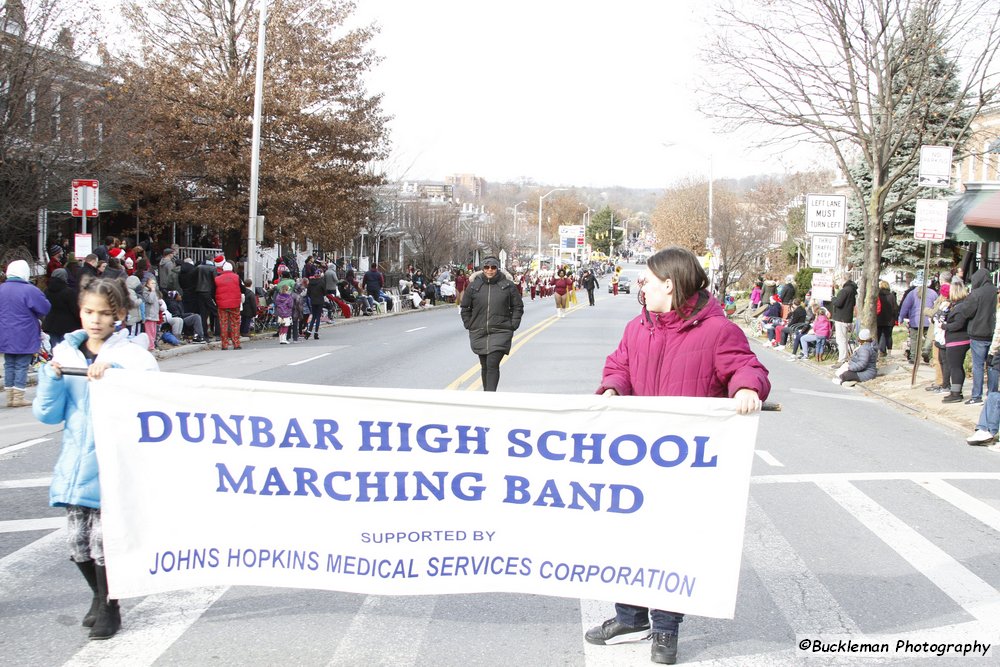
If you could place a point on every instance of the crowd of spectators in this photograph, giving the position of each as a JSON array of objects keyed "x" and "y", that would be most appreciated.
[{"x": 954, "y": 317}]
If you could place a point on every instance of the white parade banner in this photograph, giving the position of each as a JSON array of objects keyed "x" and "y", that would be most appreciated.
[
  {"x": 826, "y": 214},
  {"x": 211, "y": 481}
]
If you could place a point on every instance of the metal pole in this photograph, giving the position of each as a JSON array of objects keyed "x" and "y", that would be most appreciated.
[
  {"x": 83, "y": 207},
  {"x": 514, "y": 244},
  {"x": 711, "y": 199},
  {"x": 540, "y": 200},
  {"x": 539, "y": 250},
  {"x": 611, "y": 237},
  {"x": 915, "y": 354},
  {"x": 248, "y": 271}
]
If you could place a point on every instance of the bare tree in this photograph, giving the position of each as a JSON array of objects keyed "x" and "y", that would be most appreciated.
[
  {"x": 857, "y": 77},
  {"x": 681, "y": 215},
  {"x": 747, "y": 237},
  {"x": 50, "y": 109},
  {"x": 190, "y": 93},
  {"x": 432, "y": 236}
]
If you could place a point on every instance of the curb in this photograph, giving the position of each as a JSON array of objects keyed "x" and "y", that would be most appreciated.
[
  {"x": 911, "y": 400},
  {"x": 191, "y": 348}
]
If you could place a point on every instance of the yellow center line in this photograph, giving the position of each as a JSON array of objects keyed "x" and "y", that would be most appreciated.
[{"x": 475, "y": 373}]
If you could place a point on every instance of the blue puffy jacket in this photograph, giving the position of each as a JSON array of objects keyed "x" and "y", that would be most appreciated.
[
  {"x": 66, "y": 399},
  {"x": 22, "y": 306}
]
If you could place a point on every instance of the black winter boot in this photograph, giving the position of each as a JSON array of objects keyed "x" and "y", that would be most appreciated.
[
  {"x": 89, "y": 572},
  {"x": 953, "y": 397},
  {"x": 109, "y": 618}
]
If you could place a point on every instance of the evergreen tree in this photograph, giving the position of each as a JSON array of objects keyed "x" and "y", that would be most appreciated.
[
  {"x": 599, "y": 232},
  {"x": 938, "y": 97}
]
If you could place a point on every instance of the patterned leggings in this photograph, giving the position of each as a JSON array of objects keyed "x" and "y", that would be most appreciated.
[
  {"x": 229, "y": 325},
  {"x": 85, "y": 534}
]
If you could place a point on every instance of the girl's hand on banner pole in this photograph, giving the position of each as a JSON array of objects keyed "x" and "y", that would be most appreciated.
[
  {"x": 96, "y": 370},
  {"x": 747, "y": 401}
]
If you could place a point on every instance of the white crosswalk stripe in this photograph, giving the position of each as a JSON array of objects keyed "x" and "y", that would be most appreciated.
[
  {"x": 807, "y": 607},
  {"x": 149, "y": 629},
  {"x": 975, "y": 596}
]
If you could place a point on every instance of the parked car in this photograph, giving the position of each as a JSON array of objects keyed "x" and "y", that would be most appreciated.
[{"x": 624, "y": 285}]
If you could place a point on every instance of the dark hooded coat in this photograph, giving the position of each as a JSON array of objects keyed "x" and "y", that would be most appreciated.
[{"x": 491, "y": 312}]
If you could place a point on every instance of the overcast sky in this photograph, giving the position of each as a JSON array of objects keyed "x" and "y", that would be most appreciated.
[{"x": 564, "y": 92}]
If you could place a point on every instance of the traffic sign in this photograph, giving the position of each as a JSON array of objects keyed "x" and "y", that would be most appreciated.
[
  {"x": 931, "y": 223},
  {"x": 824, "y": 251},
  {"x": 84, "y": 198},
  {"x": 935, "y": 167},
  {"x": 826, "y": 214},
  {"x": 822, "y": 287}
]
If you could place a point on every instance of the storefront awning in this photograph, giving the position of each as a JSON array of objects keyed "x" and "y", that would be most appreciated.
[
  {"x": 105, "y": 204},
  {"x": 975, "y": 215}
]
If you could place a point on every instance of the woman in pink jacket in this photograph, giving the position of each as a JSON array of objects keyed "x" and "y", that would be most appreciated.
[{"x": 681, "y": 344}]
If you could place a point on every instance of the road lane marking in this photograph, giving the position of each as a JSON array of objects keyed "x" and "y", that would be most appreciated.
[
  {"x": 18, "y": 426},
  {"x": 22, "y": 445},
  {"x": 768, "y": 459},
  {"x": 25, "y": 525},
  {"x": 464, "y": 377},
  {"x": 30, "y": 483},
  {"x": 306, "y": 361},
  {"x": 816, "y": 478},
  {"x": 835, "y": 395},
  {"x": 149, "y": 628},
  {"x": 975, "y": 596},
  {"x": 798, "y": 594},
  {"x": 386, "y": 616},
  {"x": 21, "y": 568},
  {"x": 412, "y": 330},
  {"x": 974, "y": 507},
  {"x": 518, "y": 342}
]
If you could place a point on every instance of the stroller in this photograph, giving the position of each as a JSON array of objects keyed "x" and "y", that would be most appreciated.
[
  {"x": 44, "y": 354},
  {"x": 264, "y": 319}
]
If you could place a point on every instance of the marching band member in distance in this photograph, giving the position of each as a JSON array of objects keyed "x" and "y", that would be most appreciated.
[
  {"x": 700, "y": 353},
  {"x": 75, "y": 480}
]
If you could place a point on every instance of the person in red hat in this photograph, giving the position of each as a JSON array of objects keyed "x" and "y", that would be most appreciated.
[
  {"x": 772, "y": 315},
  {"x": 220, "y": 261}
]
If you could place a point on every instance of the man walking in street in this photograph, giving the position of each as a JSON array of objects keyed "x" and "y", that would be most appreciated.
[{"x": 590, "y": 284}]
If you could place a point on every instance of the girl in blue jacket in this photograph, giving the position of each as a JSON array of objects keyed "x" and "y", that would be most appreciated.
[{"x": 75, "y": 480}]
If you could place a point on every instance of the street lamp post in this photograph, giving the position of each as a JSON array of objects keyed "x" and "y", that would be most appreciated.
[
  {"x": 248, "y": 270},
  {"x": 586, "y": 221},
  {"x": 515, "y": 224},
  {"x": 540, "y": 200}
]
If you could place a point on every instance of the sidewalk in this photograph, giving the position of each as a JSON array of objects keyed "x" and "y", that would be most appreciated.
[{"x": 893, "y": 386}]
